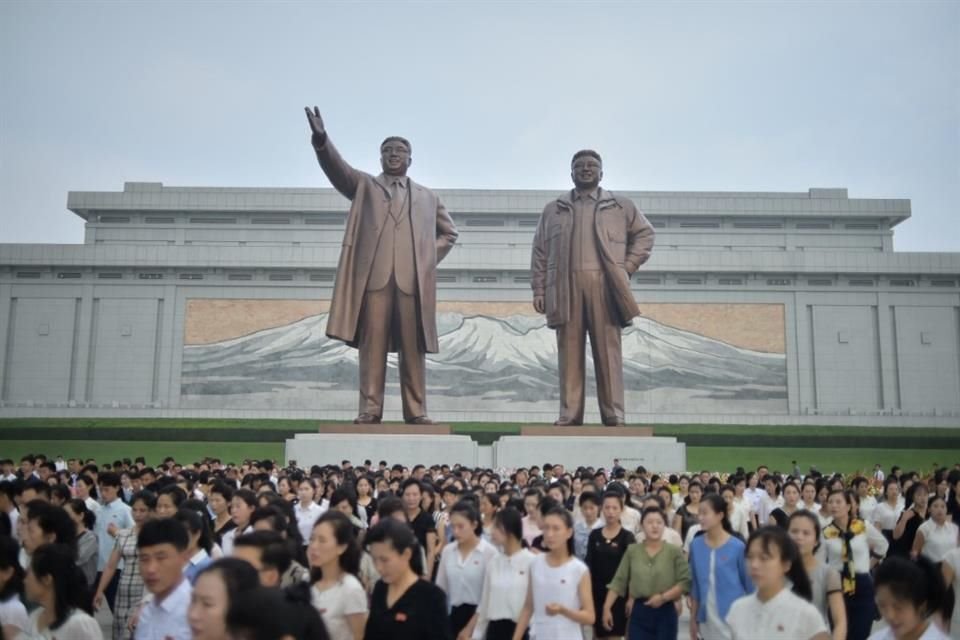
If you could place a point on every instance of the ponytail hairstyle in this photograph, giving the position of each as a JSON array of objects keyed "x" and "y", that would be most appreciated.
[
  {"x": 719, "y": 505},
  {"x": 511, "y": 521},
  {"x": 918, "y": 582},
  {"x": 343, "y": 533},
  {"x": 196, "y": 523},
  {"x": 564, "y": 515},
  {"x": 79, "y": 507},
  {"x": 771, "y": 536},
  {"x": 468, "y": 510},
  {"x": 400, "y": 536},
  {"x": 70, "y": 590},
  {"x": 812, "y": 519}
]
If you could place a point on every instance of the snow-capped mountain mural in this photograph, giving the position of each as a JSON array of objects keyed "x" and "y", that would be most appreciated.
[{"x": 498, "y": 364}]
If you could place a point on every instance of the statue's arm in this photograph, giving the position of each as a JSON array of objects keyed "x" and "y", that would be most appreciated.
[
  {"x": 342, "y": 176},
  {"x": 447, "y": 233},
  {"x": 538, "y": 258},
  {"x": 640, "y": 238}
]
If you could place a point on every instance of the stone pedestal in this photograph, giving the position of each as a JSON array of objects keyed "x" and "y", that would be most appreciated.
[
  {"x": 594, "y": 446},
  {"x": 396, "y": 443},
  {"x": 399, "y": 443}
]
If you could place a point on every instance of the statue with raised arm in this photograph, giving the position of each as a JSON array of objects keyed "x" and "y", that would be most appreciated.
[
  {"x": 588, "y": 243},
  {"x": 385, "y": 294}
]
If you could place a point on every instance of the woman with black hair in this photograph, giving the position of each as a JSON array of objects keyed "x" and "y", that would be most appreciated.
[
  {"x": 366, "y": 500},
  {"x": 200, "y": 542},
  {"x": 887, "y": 513},
  {"x": 13, "y": 615},
  {"x": 687, "y": 514},
  {"x": 219, "y": 500},
  {"x": 605, "y": 549},
  {"x": 718, "y": 571},
  {"x": 780, "y": 607},
  {"x": 463, "y": 564},
  {"x": 130, "y": 586},
  {"x": 403, "y": 605},
  {"x": 88, "y": 548},
  {"x": 505, "y": 580},
  {"x": 560, "y": 597},
  {"x": 217, "y": 585},
  {"x": 242, "y": 505},
  {"x": 344, "y": 500},
  {"x": 58, "y": 586},
  {"x": 337, "y": 593},
  {"x": 850, "y": 545},
  {"x": 653, "y": 575},
  {"x": 169, "y": 499},
  {"x": 911, "y": 595},
  {"x": 422, "y": 522},
  {"x": 825, "y": 586},
  {"x": 267, "y": 613},
  {"x": 913, "y": 515}
]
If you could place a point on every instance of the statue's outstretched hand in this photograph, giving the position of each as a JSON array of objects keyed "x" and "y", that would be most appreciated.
[{"x": 316, "y": 125}]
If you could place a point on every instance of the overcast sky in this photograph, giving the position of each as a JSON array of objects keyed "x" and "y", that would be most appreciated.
[{"x": 749, "y": 96}]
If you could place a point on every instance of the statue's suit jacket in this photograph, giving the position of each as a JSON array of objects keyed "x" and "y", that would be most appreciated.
[
  {"x": 434, "y": 235},
  {"x": 624, "y": 241}
]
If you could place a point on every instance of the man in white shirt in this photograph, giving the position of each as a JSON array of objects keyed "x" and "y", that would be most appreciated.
[
  {"x": 878, "y": 473},
  {"x": 162, "y": 549}
]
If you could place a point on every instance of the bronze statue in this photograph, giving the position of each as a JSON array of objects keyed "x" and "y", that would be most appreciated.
[
  {"x": 385, "y": 295},
  {"x": 588, "y": 244}
]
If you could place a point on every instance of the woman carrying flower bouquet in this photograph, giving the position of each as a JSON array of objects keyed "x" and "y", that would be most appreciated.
[{"x": 851, "y": 544}]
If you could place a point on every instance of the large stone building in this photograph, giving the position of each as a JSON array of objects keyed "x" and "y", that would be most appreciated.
[{"x": 758, "y": 308}]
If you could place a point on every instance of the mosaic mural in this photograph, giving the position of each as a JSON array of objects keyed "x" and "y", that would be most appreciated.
[{"x": 494, "y": 357}]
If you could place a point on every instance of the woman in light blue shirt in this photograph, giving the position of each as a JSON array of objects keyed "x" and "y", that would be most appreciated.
[{"x": 718, "y": 571}]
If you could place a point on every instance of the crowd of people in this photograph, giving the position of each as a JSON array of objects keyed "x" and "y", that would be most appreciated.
[{"x": 213, "y": 551}]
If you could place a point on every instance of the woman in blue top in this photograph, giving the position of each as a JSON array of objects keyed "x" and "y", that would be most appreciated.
[{"x": 718, "y": 571}]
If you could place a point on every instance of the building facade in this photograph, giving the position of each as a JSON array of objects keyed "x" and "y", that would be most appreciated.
[{"x": 770, "y": 308}]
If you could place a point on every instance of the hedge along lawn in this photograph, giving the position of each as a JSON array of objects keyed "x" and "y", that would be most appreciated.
[{"x": 154, "y": 452}]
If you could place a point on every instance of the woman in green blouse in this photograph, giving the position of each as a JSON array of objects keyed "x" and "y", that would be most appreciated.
[{"x": 652, "y": 575}]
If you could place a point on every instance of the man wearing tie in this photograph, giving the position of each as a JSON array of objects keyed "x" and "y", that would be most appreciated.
[{"x": 385, "y": 295}]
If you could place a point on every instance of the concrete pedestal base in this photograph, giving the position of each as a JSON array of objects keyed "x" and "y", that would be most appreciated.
[
  {"x": 396, "y": 443},
  {"x": 409, "y": 445},
  {"x": 658, "y": 454}
]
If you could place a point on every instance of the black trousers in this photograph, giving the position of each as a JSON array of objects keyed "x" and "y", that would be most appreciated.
[
  {"x": 502, "y": 630},
  {"x": 460, "y": 615}
]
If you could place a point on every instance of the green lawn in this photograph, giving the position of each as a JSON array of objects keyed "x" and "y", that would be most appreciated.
[
  {"x": 712, "y": 458},
  {"x": 826, "y": 460}
]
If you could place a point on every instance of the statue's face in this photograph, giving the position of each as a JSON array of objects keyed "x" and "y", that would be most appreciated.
[
  {"x": 586, "y": 172},
  {"x": 395, "y": 158}
]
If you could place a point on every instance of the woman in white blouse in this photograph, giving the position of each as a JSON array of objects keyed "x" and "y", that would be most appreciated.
[
  {"x": 850, "y": 543},
  {"x": 505, "y": 581},
  {"x": 938, "y": 535},
  {"x": 57, "y": 584},
  {"x": 559, "y": 600},
  {"x": 912, "y": 598},
  {"x": 886, "y": 513},
  {"x": 307, "y": 510},
  {"x": 334, "y": 556},
  {"x": 780, "y": 607},
  {"x": 463, "y": 564}
]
